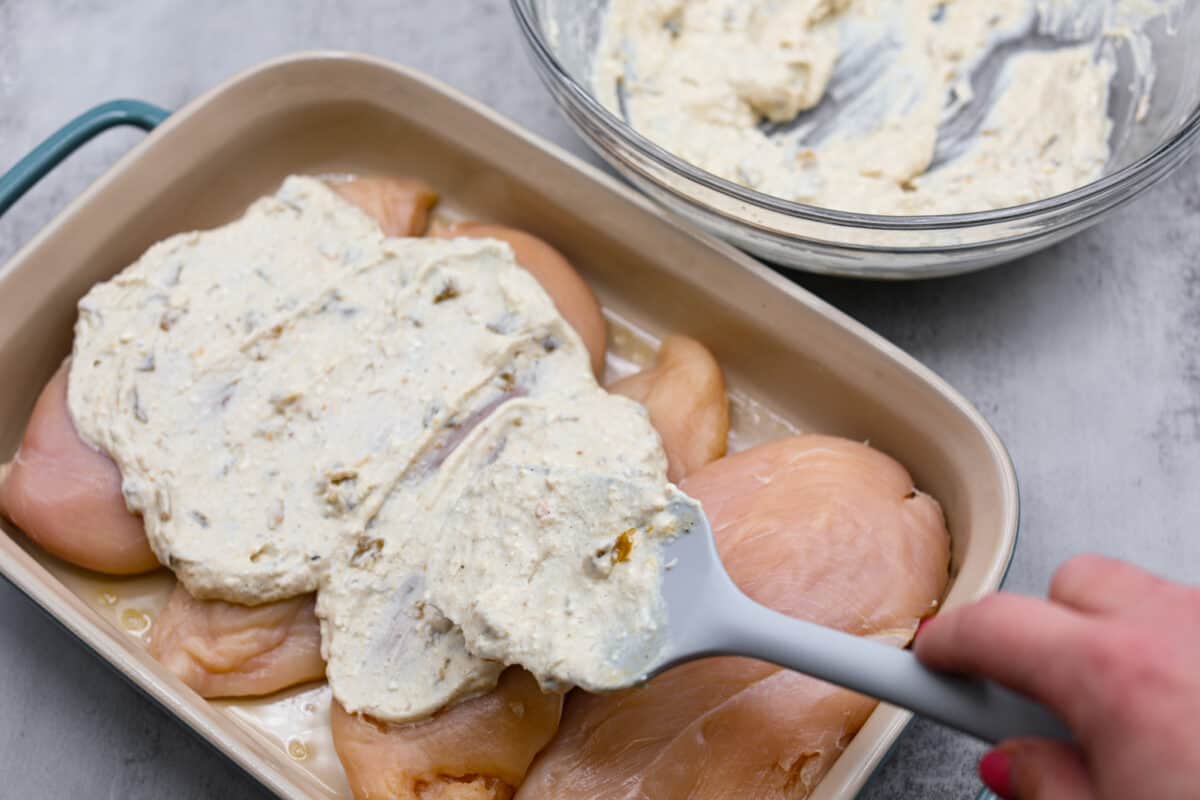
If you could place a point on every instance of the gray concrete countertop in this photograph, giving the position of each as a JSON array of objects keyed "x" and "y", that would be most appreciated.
[{"x": 1086, "y": 358}]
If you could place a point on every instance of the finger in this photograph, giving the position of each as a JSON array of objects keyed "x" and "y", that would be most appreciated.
[
  {"x": 1040, "y": 769},
  {"x": 1021, "y": 642},
  {"x": 1098, "y": 585},
  {"x": 5, "y": 468}
]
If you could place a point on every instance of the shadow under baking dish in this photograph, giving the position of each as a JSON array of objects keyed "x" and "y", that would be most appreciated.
[{"x": 792, "y": 362}]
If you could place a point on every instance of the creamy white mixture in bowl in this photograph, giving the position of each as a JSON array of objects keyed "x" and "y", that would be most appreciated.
[{"x": 880, "y": 138}]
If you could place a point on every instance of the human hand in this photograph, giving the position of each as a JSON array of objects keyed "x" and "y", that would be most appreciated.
[{"x": 1115, "y": 652}]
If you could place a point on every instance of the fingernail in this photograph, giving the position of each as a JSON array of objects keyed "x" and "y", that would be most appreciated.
[
  {"x": 921, "y": 625},
  {"x": 995, "y": 769}
]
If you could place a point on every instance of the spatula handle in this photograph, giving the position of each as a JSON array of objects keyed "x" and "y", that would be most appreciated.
[{"x": 977, "y": 707}]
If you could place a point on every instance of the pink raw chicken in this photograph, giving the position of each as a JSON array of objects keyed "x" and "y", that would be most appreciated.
[
  {"x": 476, "y": 750},
  {"x": 225, "y": 650},
  {"x": 67, "y": 496},
  {"x": 401, "y": 206},
  {"x": 684, "y": 392},
  {"x": 817, "y": 527}
]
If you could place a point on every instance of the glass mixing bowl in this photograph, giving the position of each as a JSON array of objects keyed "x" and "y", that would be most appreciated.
[{"x": 564, "y": 34}]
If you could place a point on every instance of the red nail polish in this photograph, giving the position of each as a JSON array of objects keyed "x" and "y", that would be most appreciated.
[{"x": 995, "y": 769}]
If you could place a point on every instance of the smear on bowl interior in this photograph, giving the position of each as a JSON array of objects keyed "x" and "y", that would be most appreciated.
[{"x": 841, "y": 103}]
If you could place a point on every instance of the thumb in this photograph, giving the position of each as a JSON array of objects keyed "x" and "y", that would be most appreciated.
[{"x": 1036, "y": 769}]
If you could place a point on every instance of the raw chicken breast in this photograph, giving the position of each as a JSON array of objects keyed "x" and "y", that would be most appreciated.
[
  {"x": 828, "y": 530},
  {"x": 225, "y": 650},
  {"x": 817, "y": 527},
  {"x": 67, "y": 496},
  {"x": 719, "y": 729},
  {"x": 572, "y": 296},
  {"x": 479, "y": 749},
  {"x": 401, "y": 206},
  {"x": 685, "y": 394}
]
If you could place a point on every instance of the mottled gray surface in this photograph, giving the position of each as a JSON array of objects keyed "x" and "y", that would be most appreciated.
[{"x": 1086, "y": 358}]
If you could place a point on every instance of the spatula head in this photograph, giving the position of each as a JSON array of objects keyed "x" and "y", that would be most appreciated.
[{"x": 693, "y": 579}]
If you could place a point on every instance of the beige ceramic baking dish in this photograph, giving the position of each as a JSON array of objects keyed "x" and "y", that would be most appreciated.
[{"x": 792, "y": 361}]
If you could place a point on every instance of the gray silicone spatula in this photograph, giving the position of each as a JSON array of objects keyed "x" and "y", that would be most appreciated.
[{"x": 708, "y": 615}]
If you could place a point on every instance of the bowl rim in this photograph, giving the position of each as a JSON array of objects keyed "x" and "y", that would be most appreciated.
[{"x": 532, "y": 31}]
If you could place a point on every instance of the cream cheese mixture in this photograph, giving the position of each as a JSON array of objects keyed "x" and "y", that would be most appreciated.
[
  {"x": 297, "y": 402},
  {"x": 706, "y": 79}
]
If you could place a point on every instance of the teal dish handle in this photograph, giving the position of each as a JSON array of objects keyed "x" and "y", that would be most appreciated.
[{"x": 69, "y": 138}]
